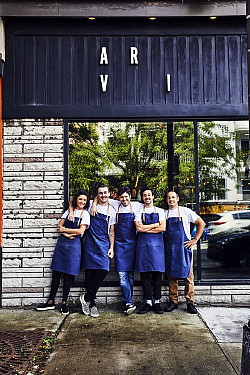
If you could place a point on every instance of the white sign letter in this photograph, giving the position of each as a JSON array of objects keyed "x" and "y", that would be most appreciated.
[
  {"x": 133, "y": 55},
  {"x": 168, "y": 82},
  {"x": 104, "y": 56},
  {"x": 104, "y": 82}
]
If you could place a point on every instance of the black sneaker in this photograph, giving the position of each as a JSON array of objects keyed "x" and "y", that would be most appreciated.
[
  {"x": 157, "y": 308},
  {"x": 129, "y": 308},
  {"x": 64, "y": 309},
  {"x": 145, "y": 309},
  {"x": 46, "y": 306},
  {"x": 171, "y": 306},
  {"x": 191, "y": 309}
]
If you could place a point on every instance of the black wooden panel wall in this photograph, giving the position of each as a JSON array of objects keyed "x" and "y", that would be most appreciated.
[{"x": 58, "y": 75}]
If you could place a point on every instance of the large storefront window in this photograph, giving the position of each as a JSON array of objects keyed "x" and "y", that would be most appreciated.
[
  {"x": 118, "y": 154},
  {"x": 136, "y": 154},
  {"x": 225, "y": 246}
]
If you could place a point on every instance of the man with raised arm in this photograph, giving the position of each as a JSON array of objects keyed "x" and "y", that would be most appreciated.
[
  {"x": 150, "y": 260},
  {"x": 125, "y": 243},
  {"x": 98, "y": 250},
  {"x": 178, "y": 250}
]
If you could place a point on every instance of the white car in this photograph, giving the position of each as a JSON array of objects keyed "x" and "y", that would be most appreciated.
[{"x": 229, "y": 220}]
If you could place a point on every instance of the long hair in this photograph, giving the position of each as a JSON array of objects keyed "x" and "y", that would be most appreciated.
[{"x": 76, "y": 195}]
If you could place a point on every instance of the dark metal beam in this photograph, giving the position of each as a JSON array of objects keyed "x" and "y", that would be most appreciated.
[
  {"x": 177, "y": 8},
  {"x": 170, "y": 151},
  {"x": 248, "y": 54},
  {"x": 197, "y": 193}
]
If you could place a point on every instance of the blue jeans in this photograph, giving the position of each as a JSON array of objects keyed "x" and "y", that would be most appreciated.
[{"x": 126, "y": 279}]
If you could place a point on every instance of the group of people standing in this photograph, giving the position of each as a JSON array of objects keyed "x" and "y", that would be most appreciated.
[{"x": 140, "y": 236}]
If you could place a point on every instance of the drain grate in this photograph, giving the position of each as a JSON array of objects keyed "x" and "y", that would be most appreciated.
[{"x": 17, "y": 349}]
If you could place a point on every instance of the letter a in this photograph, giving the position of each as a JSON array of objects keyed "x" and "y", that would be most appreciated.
[
  {"x": 104, "y": 82},
  {"x": 133, "y": 55},
  {"x": 104, "y": 56}
]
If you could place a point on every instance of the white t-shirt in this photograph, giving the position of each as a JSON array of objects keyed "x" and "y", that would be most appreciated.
[
  {"x": 106, "y": 210},
  {"x": 85, "y": 218},
  {"x": 125, "y": 209},
  {"x": 149, "y": 210},
  {"x": 188, "y": 216}
]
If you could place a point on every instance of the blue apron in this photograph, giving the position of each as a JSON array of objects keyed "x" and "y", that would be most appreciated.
[
  {"x": 150, "y": 248},
  {"x": 178, "y": 257},
  {"x": 125, "y": 242},
  {"x": 96, "y": 244},
  {"x": 67, "y": 254}
]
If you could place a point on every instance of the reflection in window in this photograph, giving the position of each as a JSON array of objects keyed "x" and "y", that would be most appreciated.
[{"x": 225, "y": 251}]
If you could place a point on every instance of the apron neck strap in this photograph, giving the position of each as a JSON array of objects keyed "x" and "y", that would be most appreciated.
[
  {"x": 107, "y": 217},
  {"x": 143, "y": 214},
  {"x": 179, "y": 214},
  {"x": 80, "y": 218},
  {"x": 117, "y": 214}
]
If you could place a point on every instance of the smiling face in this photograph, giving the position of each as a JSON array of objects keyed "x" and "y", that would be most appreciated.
[
  {"x": 103, "y": 195},
  {"x": 148, "y": 198},
  {"x": 125, "y": 199},
  {"x": 172, "y": 200},
  {"x": 81, "y": 202}
]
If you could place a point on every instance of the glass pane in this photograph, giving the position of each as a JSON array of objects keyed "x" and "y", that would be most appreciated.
[
  {"x": 185, "y": 173},
  {"x": 225, "y": 199},
  {"x": 118, "y": 154},
  {"x": 135, "y": 154}
]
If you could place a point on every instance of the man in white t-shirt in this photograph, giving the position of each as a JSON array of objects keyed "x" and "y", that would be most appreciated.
[
  {"x": 150, "y": 258},
  {"x": 178, "y": 250},
  {"x": 125, "y": 243},
  {"x": 98, "y": 250}
]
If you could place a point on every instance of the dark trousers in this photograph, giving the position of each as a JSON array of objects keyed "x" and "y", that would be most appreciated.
[
  {"x": 67, "y": 283},
  {"x": 93, "y": 280},
  {"x": 151, "y": 280}
]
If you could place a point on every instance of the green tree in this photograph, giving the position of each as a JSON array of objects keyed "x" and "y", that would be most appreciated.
[
  {"x": 138, "y": 153},
  {"x": 216, "y": 159},
  {"x": 86, "y": 158},
  {"x": 135, "y": 154}
]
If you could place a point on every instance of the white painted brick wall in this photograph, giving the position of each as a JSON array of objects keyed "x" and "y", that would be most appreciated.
[{"x": 33, "y": 190}]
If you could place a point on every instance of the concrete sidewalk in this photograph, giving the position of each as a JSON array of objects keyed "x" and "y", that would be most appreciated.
[{"x": 173, "y": 343}]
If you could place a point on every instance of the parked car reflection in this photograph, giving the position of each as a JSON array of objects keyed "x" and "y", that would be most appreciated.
[
  {"x": 231, "y": 246},
  {"x": 207, "y": 219},
  {"x": 229, "y": 220}
]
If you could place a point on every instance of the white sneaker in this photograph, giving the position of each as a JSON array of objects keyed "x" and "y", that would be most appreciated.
[
  {"x": 94, "y": 312},
  {"x": 130, "y": 308},
  {"x": 85, "y": 306}
]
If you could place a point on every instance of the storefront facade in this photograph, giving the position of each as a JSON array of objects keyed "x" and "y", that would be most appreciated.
[{"x": 62, "y": 66}]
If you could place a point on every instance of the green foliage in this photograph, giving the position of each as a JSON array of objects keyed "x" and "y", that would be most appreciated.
[
  {"x": 86, "y": 158},
  {"x": 137, "y": 151},
  {"x": 216, "y": 159},
  {"x": 135, "y": 154}
]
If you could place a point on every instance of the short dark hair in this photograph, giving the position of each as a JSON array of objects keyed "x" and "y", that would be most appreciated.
[
  {"x": 99, "y": 186},
  {"x": 123, "y": 189},
  {"x": 144, "y": 189},
  {"x": 166, "y": 195},
  {"x": 76, "y": 195}
]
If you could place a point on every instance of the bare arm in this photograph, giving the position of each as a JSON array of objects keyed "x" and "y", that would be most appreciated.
[
  {"x": 71, "y": 212},
  {"x": 77, "y": 231},
  {"x": 60, "y": 225},
  {"x": 160, "y": 228},
  {"x": 200, "y": 228},
  {"x": 111, "y": 241},
  {"x": 93, "y": 209},
  {"x": 145, "y": 228}
]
